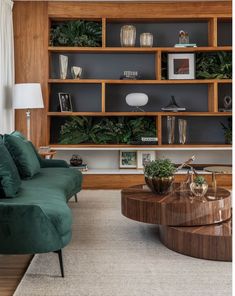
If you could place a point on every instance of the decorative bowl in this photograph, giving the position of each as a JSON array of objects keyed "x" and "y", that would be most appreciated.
[{"x": 159, "y": 185}]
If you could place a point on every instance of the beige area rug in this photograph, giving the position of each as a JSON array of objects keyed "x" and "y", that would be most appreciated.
[{"x": 111, "y": 255}]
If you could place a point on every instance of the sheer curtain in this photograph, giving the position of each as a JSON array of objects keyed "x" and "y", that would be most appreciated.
[{"x": 7, "y": 74}]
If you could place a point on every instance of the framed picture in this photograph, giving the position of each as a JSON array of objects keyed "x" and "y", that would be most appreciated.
[
  {"x": 65, "y": 102},
  {"x": 144, "y": 157},
  {"x": 181, "y": 66},
  {"x": 128, "y": 159}
]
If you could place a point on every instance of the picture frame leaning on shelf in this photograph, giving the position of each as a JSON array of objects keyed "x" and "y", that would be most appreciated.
[{"x": 65, "y": 102}]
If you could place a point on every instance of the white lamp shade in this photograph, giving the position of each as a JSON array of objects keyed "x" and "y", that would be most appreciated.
[
  {"x": 27, "y": 96},
  {"x": 137, "y": 99}
]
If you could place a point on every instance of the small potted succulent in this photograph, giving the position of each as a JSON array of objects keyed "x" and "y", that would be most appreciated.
[
  {"x": 159, "y": 175},
  {"x": 199, "y": 186}
]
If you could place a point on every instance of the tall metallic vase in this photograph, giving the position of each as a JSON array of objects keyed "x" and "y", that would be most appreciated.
[
  {"x": 128, "y": 36},
  {"x": 171, "y": 129},
  {"x": 63, "y": 66},
  {"x": 182, "y": 131}
]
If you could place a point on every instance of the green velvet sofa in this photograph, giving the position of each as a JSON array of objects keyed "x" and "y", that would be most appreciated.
[{"x": 38, "y": 219}]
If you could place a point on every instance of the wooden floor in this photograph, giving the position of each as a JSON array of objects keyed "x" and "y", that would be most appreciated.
[{"x": 12, "y": 269}]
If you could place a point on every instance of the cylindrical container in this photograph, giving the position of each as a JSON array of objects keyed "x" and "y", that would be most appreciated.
[
  {"x": 182, "y": 131},
  {"x": 171, "y": 129},
  {"x": 128, "y": 36},
  {"x": 146, "y": 40},
  {"x": 63, "y": 66}
]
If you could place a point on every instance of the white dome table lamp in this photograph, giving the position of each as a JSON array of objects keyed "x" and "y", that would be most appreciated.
[
  {"x": 137, "y": 100},
  {"x": 27, "y": 96}
]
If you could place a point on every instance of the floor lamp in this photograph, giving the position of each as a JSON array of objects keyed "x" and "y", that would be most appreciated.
[{"x": 27, "y": 96}]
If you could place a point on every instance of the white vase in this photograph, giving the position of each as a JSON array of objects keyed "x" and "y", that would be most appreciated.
[{"x": 63, "y": 66}]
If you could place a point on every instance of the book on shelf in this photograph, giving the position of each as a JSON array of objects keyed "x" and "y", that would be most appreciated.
[
  {"x": 83, "y": 167},
  {"x": 182, "y": 45}
]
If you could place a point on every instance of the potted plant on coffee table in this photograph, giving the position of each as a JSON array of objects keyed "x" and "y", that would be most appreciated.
[
  {"x": 199, "y": 187},
  {"x": 159, "y": 175}
]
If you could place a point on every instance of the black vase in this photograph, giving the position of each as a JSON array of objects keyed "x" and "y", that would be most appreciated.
[{"x": 76, "y": 160}]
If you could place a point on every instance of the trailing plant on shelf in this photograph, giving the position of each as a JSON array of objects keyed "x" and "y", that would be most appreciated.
[
  {"x": 115, "y": 130},
  {"x": 228, "y": 134},
  {"x": 159, "y": 175},
  {"x": 76, "y": 33},
  {"x": 214, "y": 65}
]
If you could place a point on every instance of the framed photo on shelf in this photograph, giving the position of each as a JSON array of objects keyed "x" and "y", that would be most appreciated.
[
  {"x": 65, "y": 102},
  {"x": 144, "y": 157},
  {"x": 128, "y": 159},
  {"x": 181, "y": 65}
]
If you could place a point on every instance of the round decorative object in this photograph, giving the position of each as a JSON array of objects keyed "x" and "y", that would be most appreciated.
[
  {"x": 198, "y": 190},
  {"x": 128, "y": 36},
  {"x": 137, "y": 100},
  {"x": 159, "y": 185},
  {"x": 146, "y": 40},
  {"x": 76, "y": 160}
]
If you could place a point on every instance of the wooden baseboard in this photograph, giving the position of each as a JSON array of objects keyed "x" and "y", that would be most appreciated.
[{"x": 115, "y": 181}]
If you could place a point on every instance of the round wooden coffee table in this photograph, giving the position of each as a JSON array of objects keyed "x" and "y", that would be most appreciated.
[{"x": 187, "y": 225}]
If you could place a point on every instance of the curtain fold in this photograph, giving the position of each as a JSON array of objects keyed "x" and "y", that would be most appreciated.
[{"x": 7, "y": 74}]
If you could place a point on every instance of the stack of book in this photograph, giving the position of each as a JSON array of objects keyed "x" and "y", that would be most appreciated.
[
  {"x": 185, "y": 45},
  {"x": 82, "y": 167}
]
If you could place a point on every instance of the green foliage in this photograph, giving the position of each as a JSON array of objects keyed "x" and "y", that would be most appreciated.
[
  {"x": 214, "y": 65},
  {"x": 76, "y": 33},
  {"x": 199, "y": 180},
  {"x": 228, "y": 134},
  {"x": 114, "y": 130},
  {"x": 159, "y": 168}
]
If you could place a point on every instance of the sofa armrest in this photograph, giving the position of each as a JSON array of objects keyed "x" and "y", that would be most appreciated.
[
  {"x": 26, "y": 229},
  {"x": 53, "y": 163}
]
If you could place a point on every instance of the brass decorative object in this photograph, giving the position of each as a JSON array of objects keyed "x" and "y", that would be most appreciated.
[{"x": 146, "y": 40}]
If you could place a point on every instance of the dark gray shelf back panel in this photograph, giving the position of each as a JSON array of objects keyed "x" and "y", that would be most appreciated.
[
  {"x": 165, "y": 33},
  {"x": 225, "y": 89},
  {"x": 225, "y": 33},
  {"x": 192, "y": 97},
  {"x": 106, "y": 66},
  {"x": 200, "y": 130},
  {"x": 84, "y": 97}
]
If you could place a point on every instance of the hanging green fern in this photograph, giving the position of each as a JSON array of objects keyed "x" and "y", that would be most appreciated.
[{"x": 76, "y": 33}]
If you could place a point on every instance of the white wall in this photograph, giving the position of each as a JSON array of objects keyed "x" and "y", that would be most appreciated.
[{"x": 110, "y": 159}]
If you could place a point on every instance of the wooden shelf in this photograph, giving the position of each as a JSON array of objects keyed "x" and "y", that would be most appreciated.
[
  {"x": 137, "y": 49},
  {"x": 153, "y": 81},
  {"x": 196, "y": 147},
  {"x": 139, "y": 113}
]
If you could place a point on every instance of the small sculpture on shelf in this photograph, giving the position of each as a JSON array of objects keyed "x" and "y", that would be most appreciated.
[
  {"x": 183, "y": 37},
  {"x": 173, "y": 106},
  {"x": 130, "y": 75},
  {"x": 227, "y": 104},
  {"x": 76, "y": 72}
]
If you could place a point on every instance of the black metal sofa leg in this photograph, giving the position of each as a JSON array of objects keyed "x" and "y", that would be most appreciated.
[
  {"x": 76, "y": 197},
  {"x": 59, "y": 252}
]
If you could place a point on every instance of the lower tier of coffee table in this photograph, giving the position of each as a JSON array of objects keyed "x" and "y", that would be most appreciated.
[{"x": 213, "y": 242}]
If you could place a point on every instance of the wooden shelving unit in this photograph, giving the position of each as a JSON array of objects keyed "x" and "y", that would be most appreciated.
[{"x": 212, "y": 85}]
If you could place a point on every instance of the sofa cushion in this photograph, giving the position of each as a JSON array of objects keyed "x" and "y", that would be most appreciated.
[
  {"x": 23, "y": 155},
  {"x": 9, "y": 177}
]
